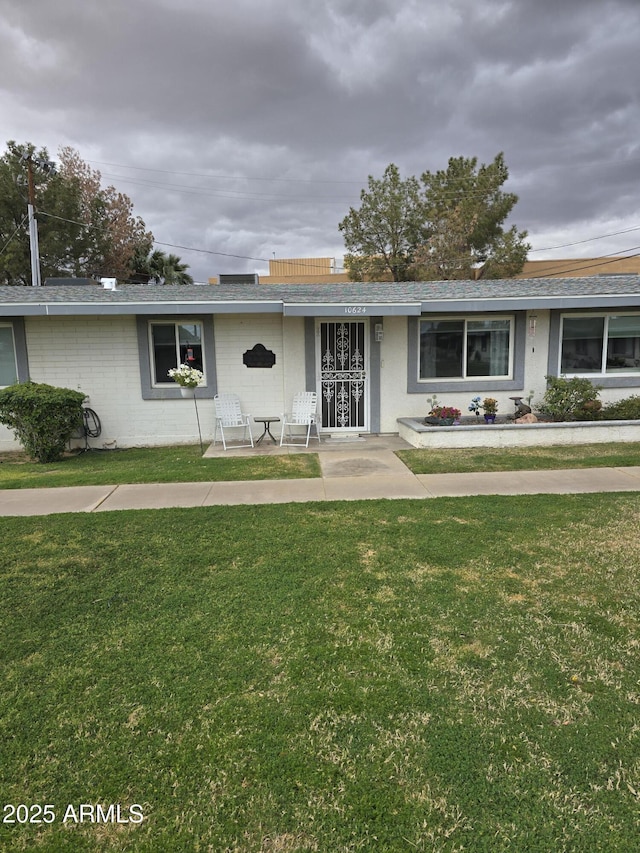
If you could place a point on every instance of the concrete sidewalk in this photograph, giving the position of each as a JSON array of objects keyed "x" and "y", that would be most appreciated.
[{"x": 366, "y": 469}]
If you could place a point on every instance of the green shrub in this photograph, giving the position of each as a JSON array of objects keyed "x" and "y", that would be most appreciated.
[
  {"x": 624, "y": 410},
  {"x": 42, "y": 417},
  {"x": 574, "y": 399}
]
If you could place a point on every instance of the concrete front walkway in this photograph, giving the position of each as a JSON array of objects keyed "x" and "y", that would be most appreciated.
[{"x": 364, "y": 469}]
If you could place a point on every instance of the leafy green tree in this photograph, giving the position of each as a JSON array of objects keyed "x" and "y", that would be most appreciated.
[
  {"x": 115, "y": 236},
  {"x": 382, "y": 235},
  {"x": 83, "y": 228},
  {"x": 466, "y": 207},
  {"x": 57, "y": 244},
  {"x": 444, "y": 227}
]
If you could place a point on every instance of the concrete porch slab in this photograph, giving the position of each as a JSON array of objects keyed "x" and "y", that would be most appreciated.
[{"x": 361, "y": 462}]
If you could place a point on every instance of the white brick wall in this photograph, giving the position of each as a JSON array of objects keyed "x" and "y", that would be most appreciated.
[
  {"x": 260, "y": 389},
  {"x": 99, "y": 356}
]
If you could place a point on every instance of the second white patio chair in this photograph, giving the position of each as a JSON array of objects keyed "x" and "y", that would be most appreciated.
[
  {"x": 303, "y": 414},
  {"x": 229, "y": 415}
]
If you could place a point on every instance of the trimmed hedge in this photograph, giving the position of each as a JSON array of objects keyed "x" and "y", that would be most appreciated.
[
  {"x": 624, "y": 410},
  {"x": 574, "y": 399},
  {"x": 43, "y": 417}
]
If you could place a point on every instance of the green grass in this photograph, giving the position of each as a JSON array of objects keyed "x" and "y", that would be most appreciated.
[
  {"x": 444, "y": 675},
  {"x": 185, "y": 464},
  {"x": 150, "y": 465},
  {"x": 466, "y": 460}
]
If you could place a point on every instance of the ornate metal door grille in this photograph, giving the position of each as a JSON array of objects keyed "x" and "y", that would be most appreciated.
[{"x": 342, "y": 375}]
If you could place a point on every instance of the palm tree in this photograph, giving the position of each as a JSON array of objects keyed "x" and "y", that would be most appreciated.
[{"x": 163, "y": 269}]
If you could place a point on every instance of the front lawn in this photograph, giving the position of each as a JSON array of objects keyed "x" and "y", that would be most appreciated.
[
  {"x": 466, "y": 460},
  {"x": 180, "y": 464},
  {"x": 444, "y": 675}
]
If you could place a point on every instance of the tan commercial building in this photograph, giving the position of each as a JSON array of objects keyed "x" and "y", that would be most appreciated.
[{"x": 323, "y": 270}]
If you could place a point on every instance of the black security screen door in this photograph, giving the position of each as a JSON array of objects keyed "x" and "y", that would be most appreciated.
[{"x": 342, "y": 375}]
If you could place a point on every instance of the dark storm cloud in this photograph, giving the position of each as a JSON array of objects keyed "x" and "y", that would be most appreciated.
[{"x": 264, "y": 117}]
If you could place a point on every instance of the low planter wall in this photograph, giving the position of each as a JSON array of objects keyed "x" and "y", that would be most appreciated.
[{"x": 413, "y": 431}]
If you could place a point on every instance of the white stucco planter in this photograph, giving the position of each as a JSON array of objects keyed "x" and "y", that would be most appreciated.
[{"x": 413, "y": 431}]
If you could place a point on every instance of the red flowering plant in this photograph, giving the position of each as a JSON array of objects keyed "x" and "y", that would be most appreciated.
[
  {"x": 441, "y": 415},
  {"x": 445, "y": 413}
]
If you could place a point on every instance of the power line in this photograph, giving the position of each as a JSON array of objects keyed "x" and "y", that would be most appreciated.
[
  {"x": 184, "y": 248},
  {"x": 227, "y": 177},
  {"x": 230, "y": 194},
  {"x": 589, "y": 240},
  {"x": 6, "y": 245},
  {"x": 615, "y": 257},
  {"x": 203, "y": 191}
]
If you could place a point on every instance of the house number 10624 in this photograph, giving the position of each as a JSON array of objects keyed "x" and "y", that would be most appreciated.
[{"x": 355, "y": 309}]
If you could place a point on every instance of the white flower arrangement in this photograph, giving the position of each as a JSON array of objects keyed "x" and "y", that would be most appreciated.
[{"x": 185, "y": 376}]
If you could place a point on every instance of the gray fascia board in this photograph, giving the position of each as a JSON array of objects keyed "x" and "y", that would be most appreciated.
[
  {"x": 349, "y": 309},
  {"x": 24, "y": 310},
  {"x": 478, "y": 306},
  {"x": 76, "y": 309}
]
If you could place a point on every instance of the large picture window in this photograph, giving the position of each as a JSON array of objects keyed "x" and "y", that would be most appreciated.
[
  {"x": 8, "y": 362},
  {"x": 600, "y": 344},
  {"x": 173, "y": 344},
  {"x": 465, "y": 348}
]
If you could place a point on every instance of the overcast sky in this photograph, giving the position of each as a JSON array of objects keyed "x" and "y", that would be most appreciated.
[{"x": 248, "y": 127}]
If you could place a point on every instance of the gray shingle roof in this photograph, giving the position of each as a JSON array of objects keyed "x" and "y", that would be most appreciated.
[{"x": 374, "y": 297}]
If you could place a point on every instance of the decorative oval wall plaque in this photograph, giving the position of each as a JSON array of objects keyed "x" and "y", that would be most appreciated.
[{"x": 259, "y": 356}]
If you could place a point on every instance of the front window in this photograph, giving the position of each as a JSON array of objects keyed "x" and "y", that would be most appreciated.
[
  {"x": 600, "y": 344},
  {"x": 8, "y": 365},
  {"x": 461, "y": 348},
  {"x": 173, "y": 344}
]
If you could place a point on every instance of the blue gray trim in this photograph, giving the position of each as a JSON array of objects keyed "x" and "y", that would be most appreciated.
[
  {"x": 19, "y": 346},
  {"x": 310, "y": 354},
  {"x": 491, "y": 303},
  {"x": 172, "y": 392},
  {"x": 374, "y": 377},
  {"x": 20, "y": 343},
  {"x": 357, "y": 310},
  {"x": 99, "y": 309},
  {"x": 414, "y": 386},
  {"x": 553, "y": 362}
]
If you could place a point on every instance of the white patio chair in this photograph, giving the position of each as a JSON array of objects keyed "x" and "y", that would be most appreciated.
[
  {"x": 303, "y": 414},
  {"x": 229, "y": 416}
]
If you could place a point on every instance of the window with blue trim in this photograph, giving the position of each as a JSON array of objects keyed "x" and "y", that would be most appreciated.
[
  {"x": 600, "y": 344},
  {"x": 461, "y": 348},
  {"x": 172, "y": 344}
]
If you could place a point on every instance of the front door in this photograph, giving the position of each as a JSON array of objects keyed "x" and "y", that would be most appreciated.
[{"x": 343, "y": 383}]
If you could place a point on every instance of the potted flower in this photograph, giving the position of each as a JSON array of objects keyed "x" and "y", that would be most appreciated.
[
  {"x": 443, "y": 415},
  {"x": 489, "y": 406},
  {"x": 188, "y": 378}
]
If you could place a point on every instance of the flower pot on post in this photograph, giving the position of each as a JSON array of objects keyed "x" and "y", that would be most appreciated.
[{"x": 188, "y": 378}]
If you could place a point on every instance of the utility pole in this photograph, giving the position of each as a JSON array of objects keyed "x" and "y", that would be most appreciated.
[
  {"x": 36, "y": 280},
  {"x": 47, "y": 166}
]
